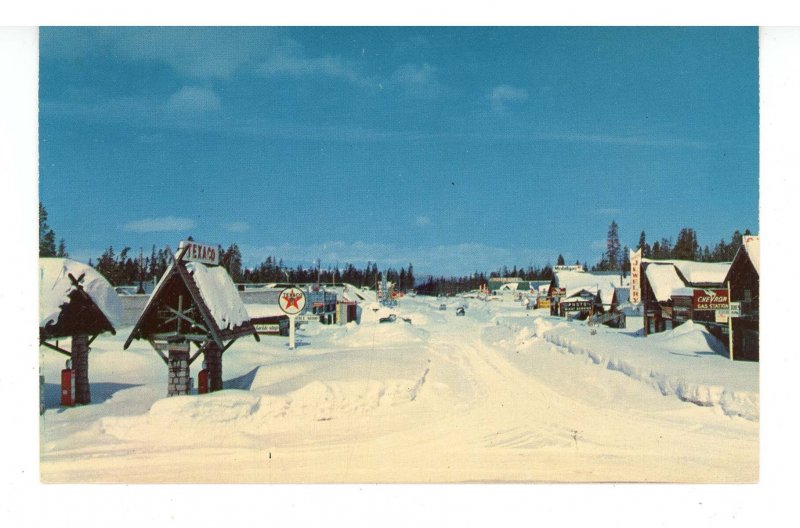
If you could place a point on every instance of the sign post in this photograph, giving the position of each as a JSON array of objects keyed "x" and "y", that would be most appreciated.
[
  {"x": 730, "y": 324},
  {"x": 292, "y": 301}
]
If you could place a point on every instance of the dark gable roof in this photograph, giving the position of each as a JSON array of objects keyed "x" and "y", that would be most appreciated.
[
  {"x": 80, "y": 316},
  {"x": 178, "y": 281}
]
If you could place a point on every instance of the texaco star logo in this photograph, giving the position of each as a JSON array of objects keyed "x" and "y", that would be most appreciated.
[{"x": 292, "y": 301}]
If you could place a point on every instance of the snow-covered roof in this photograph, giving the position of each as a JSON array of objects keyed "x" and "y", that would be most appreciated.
[
  {"x": 55, "y": 287},
  {"x": 663, "y": 280},
  {"x": 752, "y": 245},
  {"x": 219, "y": 294},
  {"x": 575, "y": 281},
  {"x": 263, "y": 310},
  {"x": 698, "y": 272}
]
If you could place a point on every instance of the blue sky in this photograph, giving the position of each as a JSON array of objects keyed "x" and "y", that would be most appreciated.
[{"x": 456, "y": 149}]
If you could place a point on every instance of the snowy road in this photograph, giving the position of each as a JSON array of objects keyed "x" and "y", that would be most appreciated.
[{"x": 444, "y": 399}]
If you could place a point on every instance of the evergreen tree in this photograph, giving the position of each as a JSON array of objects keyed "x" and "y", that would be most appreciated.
[
  {"x": 613, "y": 258},
  {"x": 644, "y": 246},
  {"x": 47, "y": 238},
  {"x": 626, "y": 260},
  {"x": 62, "y": 249},
  {"x": 686, "y": 247},
  {"x": 232, "y": 262},
  {"x": 560, "y": 261}
]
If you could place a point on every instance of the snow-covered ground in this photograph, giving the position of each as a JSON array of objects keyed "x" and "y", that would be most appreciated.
[{"x": 501, "y": 394}]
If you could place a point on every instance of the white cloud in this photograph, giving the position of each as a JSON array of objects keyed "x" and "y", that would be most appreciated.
[
  {"x": 419, "y": 80},
  {"x": 501, "y": 96},
  {"x": 193, "y": 99},
  {"x": 237, "y": 227},
  {"x": 290, "y": 59},
  {"x": 196, "y": 52},
  {"x": 423, "y": 221},
  {"x": 165, "y": 223}
]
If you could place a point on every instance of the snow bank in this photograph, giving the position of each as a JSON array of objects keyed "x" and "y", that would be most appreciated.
[
  {"x": 220, "y": 295},
  {"x": 686, "y": 362},
  {"x": 400, "y": 332},
  {"x": 55, "y": 287}
]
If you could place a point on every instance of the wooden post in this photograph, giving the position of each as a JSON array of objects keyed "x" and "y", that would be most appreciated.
[
  {"x": 213, "y": 364},
  {"x": 730, "y": 324},
  {"x": 80, "y": 364}
]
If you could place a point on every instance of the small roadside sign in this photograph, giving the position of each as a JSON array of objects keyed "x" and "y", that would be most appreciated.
[
  {"x": 736, "y": 309},
  {"x": 306, "y": 318}
]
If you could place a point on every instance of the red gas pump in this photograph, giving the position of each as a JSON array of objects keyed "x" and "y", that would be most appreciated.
[
  {"x": 202, "y": 382},
  {"x": 68, "y": 385}
]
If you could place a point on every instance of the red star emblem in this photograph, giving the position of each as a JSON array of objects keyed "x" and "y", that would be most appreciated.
[{"x": 292, "y": 299}]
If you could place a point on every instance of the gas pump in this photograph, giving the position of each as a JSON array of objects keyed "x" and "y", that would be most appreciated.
[
  {"x": 68, "y": 385},
  {"x": 202, "y": 380}
]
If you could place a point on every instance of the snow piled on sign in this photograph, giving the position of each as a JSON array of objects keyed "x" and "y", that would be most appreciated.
[
  {"x": 220, "y": 295},
  {"x": 55, "y": 287}
]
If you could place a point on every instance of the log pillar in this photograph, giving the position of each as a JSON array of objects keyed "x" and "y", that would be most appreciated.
[{"x": 80, "y": 364}]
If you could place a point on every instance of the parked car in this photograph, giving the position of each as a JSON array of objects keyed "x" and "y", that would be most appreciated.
[
  {"x": 443, "y": 307},
  {"x": 460, "y": 311}
]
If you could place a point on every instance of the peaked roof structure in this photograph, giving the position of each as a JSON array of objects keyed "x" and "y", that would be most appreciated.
[
  {"x": 75, "y": 299},
  {"x": 750, "y": 250},
  {"x": 194, "y": 301},
  {"x": 671, "y": 277}
]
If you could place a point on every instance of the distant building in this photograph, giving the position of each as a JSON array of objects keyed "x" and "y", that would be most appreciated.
[
  {"x": 743, "y": 277},
  {"x": 668, "y": 294},
  {"x": 571, "y": 281}
]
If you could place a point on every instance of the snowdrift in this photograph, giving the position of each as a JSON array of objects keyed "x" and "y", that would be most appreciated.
[{"x": 687, "y": 362}]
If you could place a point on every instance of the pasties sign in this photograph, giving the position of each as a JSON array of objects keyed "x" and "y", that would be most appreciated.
[{"x": 710, "y": 299}]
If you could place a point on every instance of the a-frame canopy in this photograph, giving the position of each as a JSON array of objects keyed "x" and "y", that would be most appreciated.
[
  {"x": 194, "y": 302},
  {"x": 75, "y": 299}
]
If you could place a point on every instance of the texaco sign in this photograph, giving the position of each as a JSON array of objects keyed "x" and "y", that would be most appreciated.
[{"x": 292, "y": 301}]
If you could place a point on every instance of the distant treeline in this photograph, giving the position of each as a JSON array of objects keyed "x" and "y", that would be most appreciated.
[
  {"x": 685, "y": 247},
  {"x": 123, "y": 268},
  {"x": 126, "y": 268}
]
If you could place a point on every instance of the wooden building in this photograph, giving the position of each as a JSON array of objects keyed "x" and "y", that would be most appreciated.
[
  {"x": 743, "y": 277},
  {"x": 76, "y": 302},
  {"x": 567, "y": 283},
  {"x": 195, "y": 303},
  {"x": 669, "y": 289}
]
